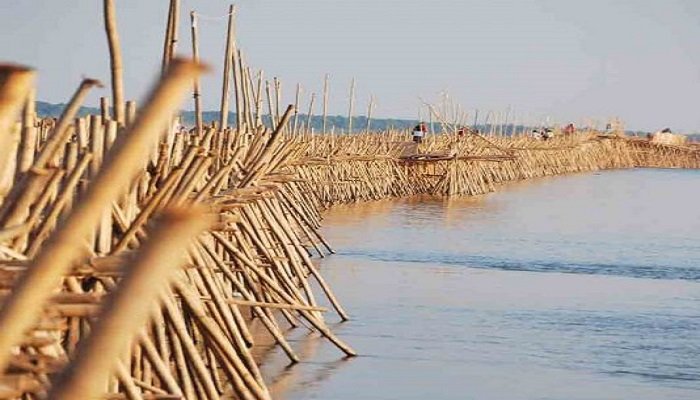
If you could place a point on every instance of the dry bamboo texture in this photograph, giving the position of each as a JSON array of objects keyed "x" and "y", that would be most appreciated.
[
  {"x": 361, "y": 167},
  {"x": 267, "y": 189},
  {"x": 253, "y": 266},
  {"x": 81, "y": 242}
]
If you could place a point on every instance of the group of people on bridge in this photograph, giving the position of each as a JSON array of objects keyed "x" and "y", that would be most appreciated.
[
  {"x": 421, "y": 130},
  {"x": 548, "y": 132},
  {"x": 545, "y": 133}
]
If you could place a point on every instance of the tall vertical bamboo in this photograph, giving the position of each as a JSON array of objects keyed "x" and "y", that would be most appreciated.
[
  {"x": 309, "y": 116},
  {"x": 115, "y": 57},
  {"x": 296, "y": 109},
  {"x": 15, "y": 84},
  {"x": 278, "y": 99},
  {"x": 325, "y": 102},
  {"x": 369, "y": 113},
  {"x": 237, "y": 71},
  {"x": 130, "y": 112},
  {"x": 104, "y": 109},
  {"x": 166, "y": 39},
  {"x": 171, "y": 29},
  {"x": 175, "y": 5},
  {"x": 352, "y": 104},
  {"x": 259, "y": 99},
  {"x": 195, "y": 58},
  {"x": 28, "y": 140},
  {"x": 270, "y": 106},
  {"x": 244, "y": 91},
  {"x": 228, "y": 59}
]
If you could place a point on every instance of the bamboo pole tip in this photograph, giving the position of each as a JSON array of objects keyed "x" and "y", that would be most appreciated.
[
  {"x": 90, "y": 82},
  {"x": 188, "y": 65},
  {"x": 10, "y": 68}
]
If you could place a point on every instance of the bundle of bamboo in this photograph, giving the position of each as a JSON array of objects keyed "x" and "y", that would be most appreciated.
[{"x": 76, "y": 297}]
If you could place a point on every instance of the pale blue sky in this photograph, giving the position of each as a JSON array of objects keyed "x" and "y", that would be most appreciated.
[{"x": 639, "y": 60}]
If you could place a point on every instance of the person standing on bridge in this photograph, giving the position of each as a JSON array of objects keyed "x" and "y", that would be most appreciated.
[
  {"x": 419, "y": 132},
  {"x": 570, "y": 129}
]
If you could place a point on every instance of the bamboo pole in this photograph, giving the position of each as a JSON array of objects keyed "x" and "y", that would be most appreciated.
[
  {"x": 130, "y": 112},
  {"x": 370, "y": 106},
  {"x": 325, "y": 102},
  {"x": 175, "y": 6},
  {"x": 352, "y": 105},
  {"x": 270, "y": 106},
  {"x": 228, "y": 59},
  {"x": 278, "y": 99},
  {"x": 15, "y": 84},
  {"x": 25, "y": 192},
  {"x": 197, "y": 89},
  {"x": 246, "y": 93},
  {"x": 167, "y": 39},
  {"x": 115, "y": 58},
  {"x": 295, "y": 124},
  {"x": 127, "y": 308},
  {"x": 259, "y": 100},
  {"x": 128, "y": 154},
  {"x": 237, "y": 70},
  {"x": 309, "y": 115},
  {"x": 104, "y": 109}
]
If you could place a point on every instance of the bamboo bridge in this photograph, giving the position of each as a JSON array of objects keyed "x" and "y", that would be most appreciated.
[
  {"x": 135, "y": 260},
  {"x": 138, "y": 258}
]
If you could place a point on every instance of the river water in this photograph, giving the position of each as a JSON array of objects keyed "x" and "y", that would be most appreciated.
[{"x": 574, "y": 287}]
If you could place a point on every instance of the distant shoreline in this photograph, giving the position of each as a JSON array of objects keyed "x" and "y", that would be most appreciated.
[{"x": 338, "y": 122}]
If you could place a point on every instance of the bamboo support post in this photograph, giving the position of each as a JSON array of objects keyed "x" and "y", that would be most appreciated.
[
  {"x": 196, "y": 90},
  {"x": 15, "y": 85},
  {"x": 228, "y": 59},
  {"x": 115, "y": 57},
  {"x": 351, "y": 105}
]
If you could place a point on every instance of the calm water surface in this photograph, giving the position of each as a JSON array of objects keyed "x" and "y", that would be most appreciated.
[{"x": 576, "y": 287}]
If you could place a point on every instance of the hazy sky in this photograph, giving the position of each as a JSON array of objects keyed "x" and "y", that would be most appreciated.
[{"x": 639, "y": 60}]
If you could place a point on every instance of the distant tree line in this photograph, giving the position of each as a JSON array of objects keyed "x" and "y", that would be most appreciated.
[{"x": 337, "y": 123}]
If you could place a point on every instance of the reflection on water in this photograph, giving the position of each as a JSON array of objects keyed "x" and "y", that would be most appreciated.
[{"x": 576, "y": 287}]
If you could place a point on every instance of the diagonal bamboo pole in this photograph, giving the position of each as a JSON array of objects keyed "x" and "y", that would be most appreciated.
[
  {"x": 122, "y": 165},
  {"x": 123, "y": 315}
]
